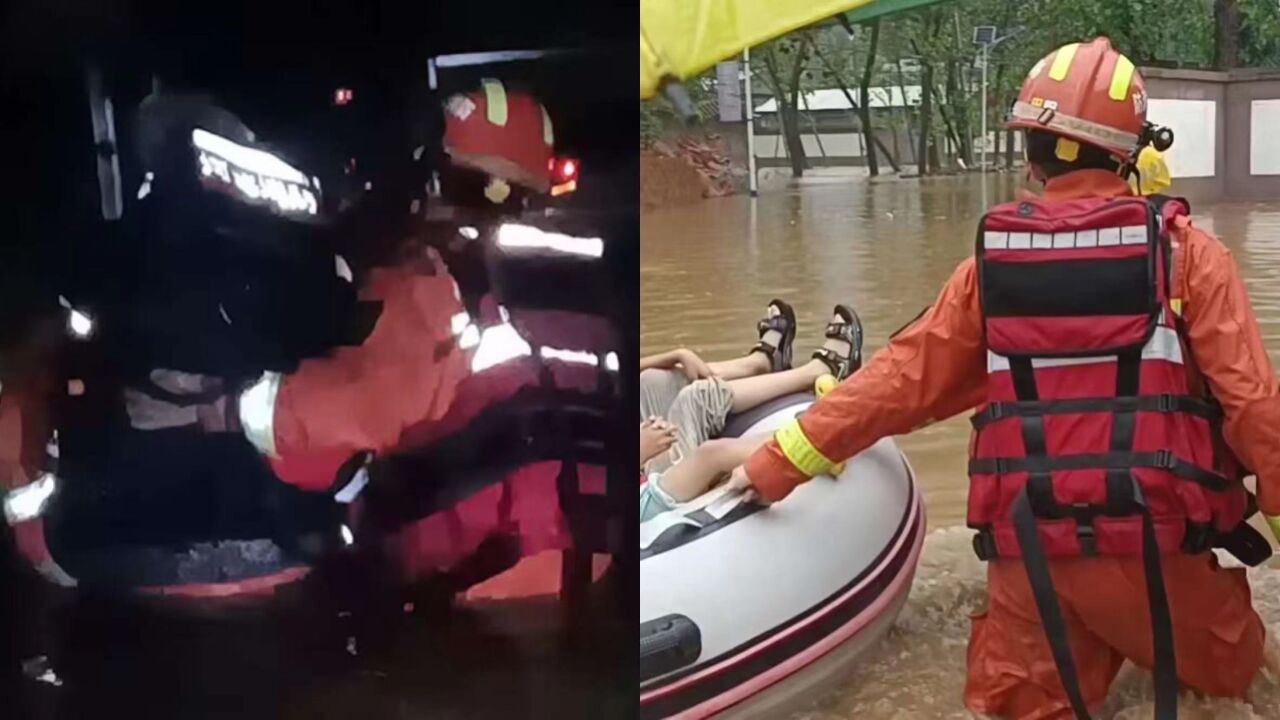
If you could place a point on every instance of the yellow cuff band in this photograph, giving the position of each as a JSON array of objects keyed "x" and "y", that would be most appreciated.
[
  {"x": 796, "y": 446},
  {"x": 1274, "y": 522}
]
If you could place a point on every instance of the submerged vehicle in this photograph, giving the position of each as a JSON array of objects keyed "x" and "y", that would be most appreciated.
[{"x": 732, "y": 626}]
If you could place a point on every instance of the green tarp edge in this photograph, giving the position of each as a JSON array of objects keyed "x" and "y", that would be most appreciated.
[{"x": 867, "y": 13}]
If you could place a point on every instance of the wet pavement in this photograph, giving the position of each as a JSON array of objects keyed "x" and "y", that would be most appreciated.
[{"x": 305, "y": 656}]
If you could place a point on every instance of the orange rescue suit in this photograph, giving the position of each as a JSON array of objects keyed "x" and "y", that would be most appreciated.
[
  {"x": 936, "y": 368},
  {"x": 363, "y": 398}
]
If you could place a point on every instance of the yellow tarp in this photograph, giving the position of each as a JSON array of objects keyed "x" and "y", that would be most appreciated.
[
  {"x": 681, "y": 38},
  {"x": 1153, "y": 172}
]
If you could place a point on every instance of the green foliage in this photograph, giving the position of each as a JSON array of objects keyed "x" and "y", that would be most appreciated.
[
  {"x": 1167, "y": 33},
  {"x": 1261, "y": 31}
]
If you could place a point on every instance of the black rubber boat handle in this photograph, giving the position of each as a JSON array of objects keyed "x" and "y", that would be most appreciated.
[{"x": 668, "y": 643}]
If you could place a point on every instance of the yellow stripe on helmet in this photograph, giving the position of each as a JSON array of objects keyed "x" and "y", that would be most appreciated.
[
  {"x": 1067, "y": 150},
  {"x": 796, "y": 446},
  {"x": 1121, "y": 79},
  {"x": 1062, "y": 61},
  {"x": 495, "y": 96}
]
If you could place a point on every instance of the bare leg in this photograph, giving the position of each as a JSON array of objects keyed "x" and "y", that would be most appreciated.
[
  {"x": 754, "y": 391},
  {"x": 708, "y": 464},
  {"x": 753, "y": 363},
  {"x": 749, "y": 365}
]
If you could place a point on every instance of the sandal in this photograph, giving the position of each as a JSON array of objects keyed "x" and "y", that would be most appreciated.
[
  {"x": 850, "y": 331},
  {"x": 783, "y": 322}
]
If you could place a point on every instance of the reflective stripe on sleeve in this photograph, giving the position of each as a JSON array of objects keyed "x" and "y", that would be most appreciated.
[
  {"x": 257, "y": 410},
  {"x": 800, "y": 451}
]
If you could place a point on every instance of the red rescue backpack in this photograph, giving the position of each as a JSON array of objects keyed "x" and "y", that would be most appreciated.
[{"x": 1092, "y": 442}]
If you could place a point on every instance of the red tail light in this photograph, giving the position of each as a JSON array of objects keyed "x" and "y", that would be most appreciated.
[
  {"x": 564, "y": 175},
  {"x": 563, "y": 170}
]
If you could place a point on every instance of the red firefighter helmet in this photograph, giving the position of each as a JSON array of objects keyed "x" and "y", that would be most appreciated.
[
  {"x": 506, "y": 135},
  {"x": 1087, "y": 92}
]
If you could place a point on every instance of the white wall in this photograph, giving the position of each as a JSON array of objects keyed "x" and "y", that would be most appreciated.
[
  {"x": 1194, "y": 124},
  {"x": 1264, "y": 147},
  {"x": 849, "y": 145},
  {"x": 836, "y": 145}
]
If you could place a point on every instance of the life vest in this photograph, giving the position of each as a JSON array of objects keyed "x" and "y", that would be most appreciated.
[
  {"x": 1092, "y": 441},
  {"x": 559, "y": 364},
  {"x": 1090, "y": 408}
]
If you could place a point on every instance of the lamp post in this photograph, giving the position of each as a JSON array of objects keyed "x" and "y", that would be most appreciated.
[
  {"x": 985, "y": 37},
  {"x": 749, "y": 108}
]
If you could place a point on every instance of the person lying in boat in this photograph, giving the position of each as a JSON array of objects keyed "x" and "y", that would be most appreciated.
[
  {"x": 701, "y": 410},
  {"x": 664, "y": 375},
  {"x": 698, "y": 408}
]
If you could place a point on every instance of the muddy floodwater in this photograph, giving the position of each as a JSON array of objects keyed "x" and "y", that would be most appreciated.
[{"x": 709, "y": 268}]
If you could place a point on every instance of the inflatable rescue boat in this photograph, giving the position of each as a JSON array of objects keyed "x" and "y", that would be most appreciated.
[{"x": 747, "y": 611}]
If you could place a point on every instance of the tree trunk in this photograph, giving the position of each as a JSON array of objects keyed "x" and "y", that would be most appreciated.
[
  {"x": 1227, "y": 28},
  {"x": 788, "y": 117},
  {"x": 801, "y": 51},
  {"x": 906, "y": 108},
  {"x": 868, "y": 131},
  {"x": 897, "y": 148},
  {"x": 994, "y": 130},
  {"x": 949, "y": 126},
  {"x": 957, "y": 119},
  {"x": 795, "y": 145},
  {"x": 838, "y": 79},
  {"x": 1008, "y": 148},
  {"x": 926, "y": 111}
]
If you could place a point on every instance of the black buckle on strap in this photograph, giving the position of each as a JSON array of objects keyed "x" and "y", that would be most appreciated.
[
  {"x": 1087, "y": 536},
  {"x": 1165, "y": 460},
  {"x": 1200, "y": 537},
  {"x": 984, "y": 545}
]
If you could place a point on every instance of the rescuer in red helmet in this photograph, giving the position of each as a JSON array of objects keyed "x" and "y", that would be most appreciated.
[
  {"x": 433, "y": 363},
  {"x": 497, "y": 165},
  {"x": 1122, "y": 389},
  {"x": 497, "y": 146}
]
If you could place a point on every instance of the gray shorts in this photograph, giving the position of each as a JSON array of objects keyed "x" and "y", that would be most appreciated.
[{"x": 697, "y": 409}]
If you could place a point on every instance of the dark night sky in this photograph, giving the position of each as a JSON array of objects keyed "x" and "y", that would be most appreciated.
[{"x": 276, "y": 65}]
